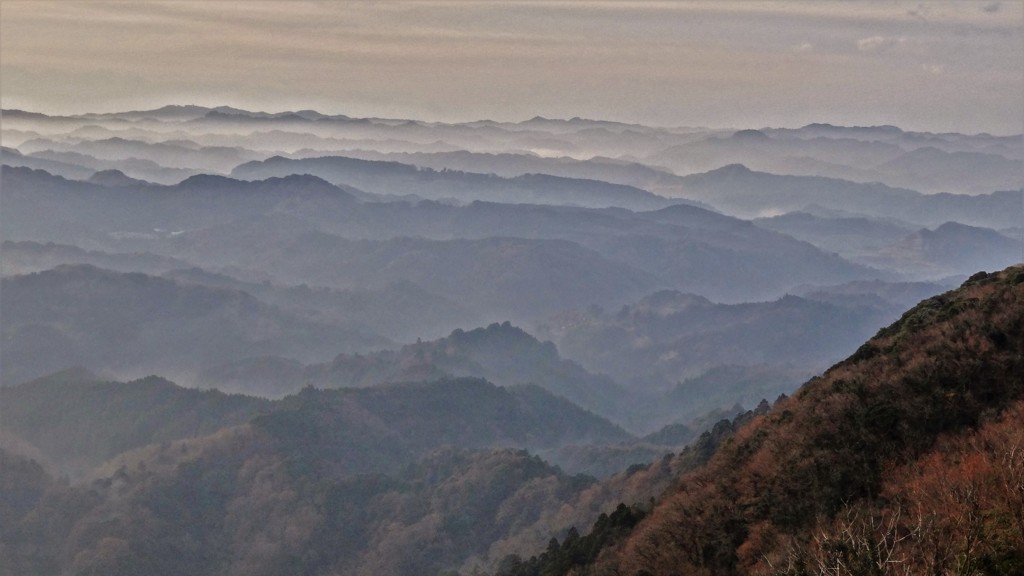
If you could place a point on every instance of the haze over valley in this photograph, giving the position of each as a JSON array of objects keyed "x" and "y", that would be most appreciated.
[{"x": 253, "y": 331}]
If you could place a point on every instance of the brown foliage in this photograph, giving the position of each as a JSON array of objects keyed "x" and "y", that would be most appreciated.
[{"x": 817, "y": 473}]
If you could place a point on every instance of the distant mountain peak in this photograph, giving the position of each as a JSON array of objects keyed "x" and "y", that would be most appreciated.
[
  {"x": 114, "y": 178},
  {"x": 503, "y": 330},
  {"x": 749, "y": 135},
  {"x": 231, "y": 110},
  {"x": 735, "y": 169},
  {"x": 673, "y": 300},
  {"x": 206, "y": 180}
]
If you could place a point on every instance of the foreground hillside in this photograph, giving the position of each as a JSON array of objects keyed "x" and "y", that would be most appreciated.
[{"x": 903, "y": 459}]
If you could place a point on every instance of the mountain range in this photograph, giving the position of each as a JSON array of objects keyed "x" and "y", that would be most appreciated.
[
  {"x": 290, "y": 342},
  {"x": 922, "y": 413}
]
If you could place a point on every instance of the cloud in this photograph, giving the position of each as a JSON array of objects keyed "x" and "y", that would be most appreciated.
[
  {"x": 878, "y": 43},
  {"x": 457, "y": 60},
  {"x": 934, "y": 69},
  {"x": 991, "y": 7}
]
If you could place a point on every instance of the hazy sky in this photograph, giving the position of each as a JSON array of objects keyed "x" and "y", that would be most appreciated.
[{"x": 920, "y": 65}]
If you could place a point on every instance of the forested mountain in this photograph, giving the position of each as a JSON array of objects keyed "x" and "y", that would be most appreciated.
[
  {"x": 362, "y": 481},
  {"x": 127, "y": 323},
  {"x": 887, "y": 442},
  {"x": 284, "y": 492},
  {"x": 905, "y": 456},
  {"x": 500, "y": 353},
  {"x": 339, "y": 301},
  {"x": 74, "y": 421}
]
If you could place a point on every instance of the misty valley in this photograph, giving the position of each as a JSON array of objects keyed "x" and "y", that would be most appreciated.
[{"x": 251, "y": 343}]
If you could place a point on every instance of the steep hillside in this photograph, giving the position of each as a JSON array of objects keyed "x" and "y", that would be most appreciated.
[{"x": 860, "y": 468}]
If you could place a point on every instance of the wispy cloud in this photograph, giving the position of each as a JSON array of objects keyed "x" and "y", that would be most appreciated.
[
  {"x": 694, "y": 62},
  {"x": 878, "y": 43}
]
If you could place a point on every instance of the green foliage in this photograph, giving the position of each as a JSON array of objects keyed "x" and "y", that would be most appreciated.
[{"x": 575, "y": 551}]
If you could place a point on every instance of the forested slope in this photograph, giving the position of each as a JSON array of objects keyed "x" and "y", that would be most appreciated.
[{"x": 903, "y": 459}]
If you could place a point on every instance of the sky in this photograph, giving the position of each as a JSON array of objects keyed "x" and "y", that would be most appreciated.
[{"x": 934, "y": 66}]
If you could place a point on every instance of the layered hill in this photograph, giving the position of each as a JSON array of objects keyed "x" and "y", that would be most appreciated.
[
  {"x": 393, "y": 479},
  {"x": 74, "y": 420},
  {"x": 743, "y": 192},
  {"x": 500, "y": 353},
  {"x": 949, "y": 249},
  {"x": 401, "y": 310},
  {"x": 215, "y": 222},
  {"x": 910, "y": 438},
  {"x": 498, "y": 278},
  {"x": 126, "y": 323},
  {"x": 953, "y": 163},
  {"x": 27, "y": 257},
  {"x": 395, "y": 178},
  {"x": 848, "y": 236},
  {"x": 668, "y": 336}
]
